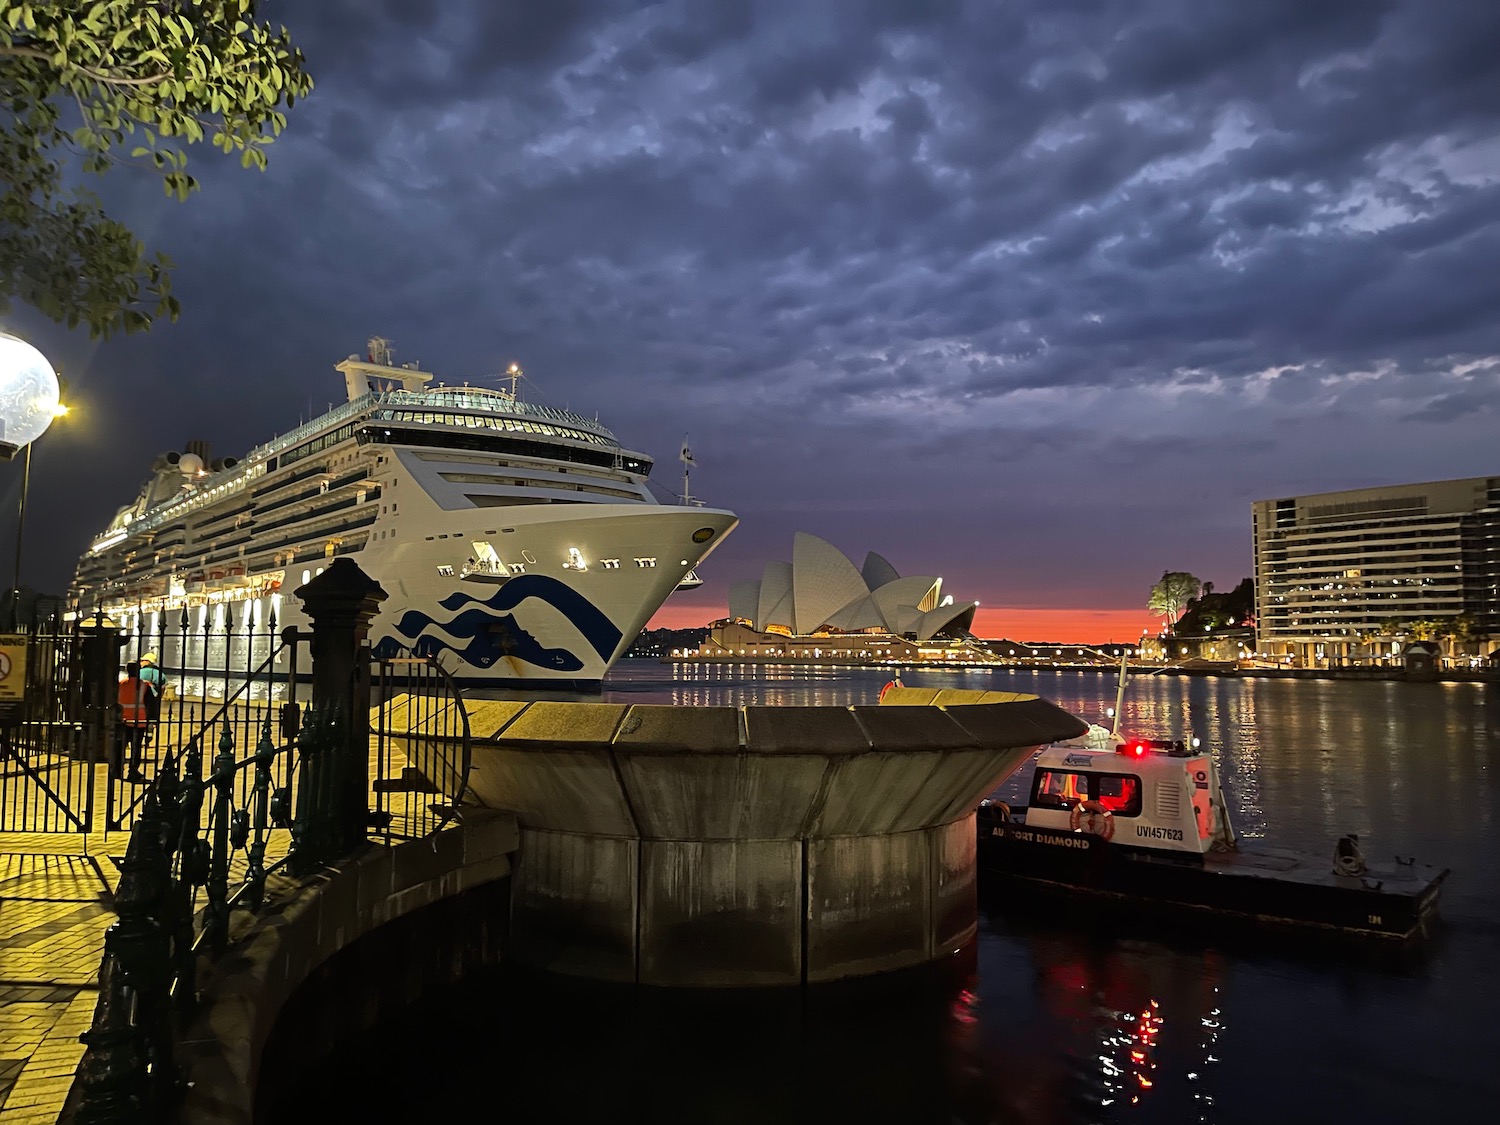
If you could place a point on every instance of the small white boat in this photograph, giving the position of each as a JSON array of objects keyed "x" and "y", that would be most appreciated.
[{"x": 1145, "y": 822}]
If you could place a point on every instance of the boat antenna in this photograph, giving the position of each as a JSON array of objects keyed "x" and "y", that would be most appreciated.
[
  {"x": 686, "y": 457},
  {"x": 1120, "y": 691}
]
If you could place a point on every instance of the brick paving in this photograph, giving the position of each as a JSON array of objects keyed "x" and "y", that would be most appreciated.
[
  {"x": 54, "y": 910},
  {"x": 56, "y": 896}
]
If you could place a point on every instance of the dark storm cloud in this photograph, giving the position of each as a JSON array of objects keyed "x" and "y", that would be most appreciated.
[{"x": 1014, "y": 271}]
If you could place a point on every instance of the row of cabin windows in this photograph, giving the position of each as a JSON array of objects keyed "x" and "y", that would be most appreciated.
[
  {"x": 1120, "y": 793},
  {"x": 308, "y": 448},
  {"x": 526, "y": 482}
]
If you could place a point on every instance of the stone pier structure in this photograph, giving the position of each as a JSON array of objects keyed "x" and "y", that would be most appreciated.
[{"x": 747, "y": 846}]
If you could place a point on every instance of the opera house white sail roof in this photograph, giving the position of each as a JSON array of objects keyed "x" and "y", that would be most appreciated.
[{"x": 820, "y": 590}]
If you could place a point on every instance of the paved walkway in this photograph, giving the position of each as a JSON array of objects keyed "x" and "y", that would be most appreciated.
[
  {"x": 56, "y": 894},
  {"x": 54, "y": 910}
]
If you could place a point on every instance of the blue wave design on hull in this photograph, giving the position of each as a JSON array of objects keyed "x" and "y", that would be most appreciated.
[{"x": 492, "y": 631}]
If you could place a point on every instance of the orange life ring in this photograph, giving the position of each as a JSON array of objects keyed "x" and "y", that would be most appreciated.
[
  {"x": 1099, "y": 820},
  {"x": 887, "y": 688}
]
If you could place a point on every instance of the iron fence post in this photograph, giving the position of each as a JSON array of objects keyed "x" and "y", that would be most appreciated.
[
  {"x": 216, "y": 919},
  {"x": 341, "y": 602},
  {"x": 265, "y": 753}
]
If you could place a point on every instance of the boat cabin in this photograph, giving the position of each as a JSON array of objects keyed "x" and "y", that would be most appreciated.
[{"x": 1147, "y": 793}]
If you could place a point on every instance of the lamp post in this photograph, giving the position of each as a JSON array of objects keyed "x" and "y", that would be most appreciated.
[{"x": 30, "y": 397}]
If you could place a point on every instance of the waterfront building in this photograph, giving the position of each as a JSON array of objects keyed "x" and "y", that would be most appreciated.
[
  {"x": 1347, "y": 576},
  {"x": 820, "y": 608}
]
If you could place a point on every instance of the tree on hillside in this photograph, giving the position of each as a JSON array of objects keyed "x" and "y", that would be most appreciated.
[
  {"x": 1212, "y": 610},
  {"x": 1172, "y": 593},
  {"x": 77, "y": 78}
]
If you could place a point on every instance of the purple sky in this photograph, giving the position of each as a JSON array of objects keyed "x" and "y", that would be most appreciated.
[{"x": 1036, "y": 296}]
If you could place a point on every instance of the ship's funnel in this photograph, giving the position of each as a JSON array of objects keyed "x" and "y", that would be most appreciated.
[{"x": 224, "y": 463}]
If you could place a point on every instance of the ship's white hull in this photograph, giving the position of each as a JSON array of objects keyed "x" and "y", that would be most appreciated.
[{"x": 544, "y": 625}]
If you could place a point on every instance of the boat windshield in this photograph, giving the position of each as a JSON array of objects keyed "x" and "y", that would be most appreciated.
[
  {"x": 1060, "y": 789},
  {"x": 1063, "y": 789}
]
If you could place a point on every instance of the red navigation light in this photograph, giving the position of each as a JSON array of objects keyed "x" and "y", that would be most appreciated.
[{"x": 1134, "y": 749}]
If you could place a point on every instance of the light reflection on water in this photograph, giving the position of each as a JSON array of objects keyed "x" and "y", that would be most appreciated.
[{"x": 1069, "y": 1020}]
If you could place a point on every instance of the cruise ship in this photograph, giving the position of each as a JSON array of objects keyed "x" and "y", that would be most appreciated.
[{"x": 517, "y": 543}]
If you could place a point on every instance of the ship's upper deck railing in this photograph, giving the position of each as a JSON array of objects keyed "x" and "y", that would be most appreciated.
[{"x": 436, "y": 398}]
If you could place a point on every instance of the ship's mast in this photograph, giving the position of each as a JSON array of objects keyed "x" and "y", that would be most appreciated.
[
  {"x": 379, "y": 371},
  {"x": 686, "y": 457}
]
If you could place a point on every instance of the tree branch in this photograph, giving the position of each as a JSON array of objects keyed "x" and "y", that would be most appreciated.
[{"x": 96, "y": 75}]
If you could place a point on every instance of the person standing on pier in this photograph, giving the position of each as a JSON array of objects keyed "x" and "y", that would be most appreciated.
[
  {"x": 134, "y": 715},
  {"x": 156, "y": 682}
]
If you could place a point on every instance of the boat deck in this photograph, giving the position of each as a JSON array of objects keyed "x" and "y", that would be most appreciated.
[{"x": 1261, "y": 884}]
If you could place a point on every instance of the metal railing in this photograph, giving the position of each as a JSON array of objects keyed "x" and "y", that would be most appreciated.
[
  {"x": 194, "y": 835},
  {"x": 422, "y": 747},
  {"x": 46, "y": 783},
  {"x": 242, "y": 676},
  {"x": 209, "y": 833}
]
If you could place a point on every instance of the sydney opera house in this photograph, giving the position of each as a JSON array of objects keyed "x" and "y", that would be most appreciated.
[{"x": 821, "y": 608}]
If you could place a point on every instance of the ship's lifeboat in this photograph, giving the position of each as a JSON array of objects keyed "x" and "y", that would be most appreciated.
[
  {"x": 235, "y": 575},
  {"x": 216, "y": 576},
  {"x": 194, "y": 583}
]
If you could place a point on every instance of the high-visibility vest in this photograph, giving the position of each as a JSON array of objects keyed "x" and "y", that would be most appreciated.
[{"x": 132, "y": 697}]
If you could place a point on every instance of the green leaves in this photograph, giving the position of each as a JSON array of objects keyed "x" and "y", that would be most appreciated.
[{"x": 180, "y": 70}]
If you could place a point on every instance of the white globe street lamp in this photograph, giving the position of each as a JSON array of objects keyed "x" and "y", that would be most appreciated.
[
  {"x": 30, "y": 398},
  {"x": 29, "y": 395}
]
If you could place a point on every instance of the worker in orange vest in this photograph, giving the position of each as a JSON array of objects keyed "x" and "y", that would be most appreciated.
[{"x": 135, "y": 713}]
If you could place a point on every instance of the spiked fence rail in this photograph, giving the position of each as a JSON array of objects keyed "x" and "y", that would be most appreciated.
[{"x": 207, "y": 835}]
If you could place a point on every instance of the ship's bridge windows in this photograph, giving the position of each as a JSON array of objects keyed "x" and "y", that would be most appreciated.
[
  {"x": 608, "y": 457},
  {"x": 491, "y": 422}
]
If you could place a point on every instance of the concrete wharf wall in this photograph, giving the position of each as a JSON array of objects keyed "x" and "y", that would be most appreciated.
[
  {"x": 744, "y": 846},
  {"x": 371, "y": 903}
]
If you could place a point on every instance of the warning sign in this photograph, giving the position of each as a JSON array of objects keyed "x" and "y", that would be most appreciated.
[{"x": 12, "y": 667}]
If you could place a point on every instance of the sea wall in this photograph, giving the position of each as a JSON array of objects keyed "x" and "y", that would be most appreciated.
[{"x": 369, "y": 932}]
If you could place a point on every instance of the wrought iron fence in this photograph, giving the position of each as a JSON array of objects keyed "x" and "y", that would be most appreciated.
[
  {"x": 243, "y": 674},
  {"x": 49, "y": 736},
  {"x": 214, "y": 664},
  {"x": 196, "y": 834},
  {"x": 422, "y": 748},
  {"x": 216, "y": 818}
]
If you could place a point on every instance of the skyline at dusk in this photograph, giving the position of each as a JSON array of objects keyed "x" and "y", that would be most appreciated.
[{"x": 1038, "y": 299}]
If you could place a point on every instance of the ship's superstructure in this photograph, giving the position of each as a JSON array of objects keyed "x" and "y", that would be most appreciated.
[{"x": 518, "y": 537}]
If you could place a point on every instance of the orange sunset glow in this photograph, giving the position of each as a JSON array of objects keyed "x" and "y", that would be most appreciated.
[{"x": 1022, "y": 623}]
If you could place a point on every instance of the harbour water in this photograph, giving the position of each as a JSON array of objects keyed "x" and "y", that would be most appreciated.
[{"x": 1045, "y": 1020}]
